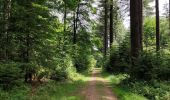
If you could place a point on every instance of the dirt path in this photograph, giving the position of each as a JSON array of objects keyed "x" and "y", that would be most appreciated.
[{"x": 97, "y": 88}]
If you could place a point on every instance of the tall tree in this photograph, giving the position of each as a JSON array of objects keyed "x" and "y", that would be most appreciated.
[
  {"x": 111, "y": 22},
  {"x": 74, "y": 28},
  {"x": 7, "y": 13},
  {"x": 65, "y": 15},
  {"x": 157, "y": 26},
  {"x": 169, "y": 16},
  {"x": 136, "y": 27},
  {"x": 106, "y": 27},
  {"x": 76, "y": 18}
]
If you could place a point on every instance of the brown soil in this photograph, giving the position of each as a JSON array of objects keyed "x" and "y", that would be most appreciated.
[{"x": 97, "y": 88}]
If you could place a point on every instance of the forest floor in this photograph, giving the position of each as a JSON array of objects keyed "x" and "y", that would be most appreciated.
[{"x": 97, "y": 88}]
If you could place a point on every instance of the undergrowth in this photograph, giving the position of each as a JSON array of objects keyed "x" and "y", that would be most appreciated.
[{"x": 50, "y": 90}]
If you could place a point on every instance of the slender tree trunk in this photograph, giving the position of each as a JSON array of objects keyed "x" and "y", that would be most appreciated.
[
  {"x": 136, "y": 27},
  {"x": 74, "y": 33},
  {"x": 76, "y": 18},
  {"x": 7, "y": 13},
  {"x": 157, "y": 26},
  {"x": 116, "y": 17},
  {"x": 169, "y": 16},
  {"x": 111, "y": 23},
  {"x": 106, "y": 32},
  {"x": 65, "y": 17},
  {"x": 28, "y": 73},
  {"x": 141, "y": 24}
]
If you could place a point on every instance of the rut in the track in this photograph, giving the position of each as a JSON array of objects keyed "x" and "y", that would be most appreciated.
[{"x": 97, "y": 88}]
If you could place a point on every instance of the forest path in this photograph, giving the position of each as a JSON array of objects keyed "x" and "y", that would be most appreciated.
[{"x": 97, "y": 88}]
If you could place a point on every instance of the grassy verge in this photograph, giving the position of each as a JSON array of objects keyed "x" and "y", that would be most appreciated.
[
  {"x": 123, "y": 93},
  {"x": 48, "y": 91}
]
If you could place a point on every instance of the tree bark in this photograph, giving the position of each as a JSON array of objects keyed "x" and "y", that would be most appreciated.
[
  {"x": 76, "y": 18},
  {"x": 111, "y": 23},
  {"x": 65, "y": 16},
  {"x": 157, "y": 26},
  {"x": 74, "y": 34},
  {"x": 7, "y": 13},
  {"x": 136, "y": 27},
  {"x": 169, "y": 16},
  {"x": 106, "y": 32}
]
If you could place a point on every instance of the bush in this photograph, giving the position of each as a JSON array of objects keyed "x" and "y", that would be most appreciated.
[
  {"x": 143, "y": 69},
  {"x": 119, "y": 59},
  {"x": 10, "y": 75},
  {"x": 152, "y": 90},
  {"x": 85, "y": 62},
  {"x": 63, "y": 69},
  {"x": 151, "y": 65}
]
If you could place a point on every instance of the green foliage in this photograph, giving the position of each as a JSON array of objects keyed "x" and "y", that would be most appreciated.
[
  {"x": 85, "y": 63},
  {"x": 63, "y": 70},
  {"x": 122, "y": 91},
  {"x": 119, "y": 60},
  {"x": 18, "y": 93},
  {"x": 150, "y": 30},
  {"x": 10, "y": 75},
  {"x": 152, "y": 66},
  {"x": 156, "y": 90},
  {"x": 51, "y": 90}
]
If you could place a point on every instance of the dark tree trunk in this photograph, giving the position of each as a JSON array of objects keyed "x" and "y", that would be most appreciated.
[
  {"x": 141, "y": 23},
  {"x": 28, "y": 73},
  {"x": 111, "y": 23},
  {"x": 169, "y": 16},
  {"x": 157, "y": 26},
  {"x": 136, "y": 27},
  {"x": 76, "y": 18},
  {"x": 7, "y": 13},
  {"x": 74, "y": 33},
  {"x": 105, "y": 25},
  {"x": 65, "y": 16}
]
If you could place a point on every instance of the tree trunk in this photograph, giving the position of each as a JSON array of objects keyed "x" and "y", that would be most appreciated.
[
  {"x": 7, "y": 13},
  {"x": 169, "y": 16},
  {"x": 74, "y": 33},
  {"x": 76, "y": 18},
  {"x": 136, "y": 27},
  {"x": 141, "y": 24},
  {"x": 65, "y": 16},
  {"x": 28, "y": 73},
  {"x": 157, "y": 26},
  {"x": 111, "y": 23},
  {"x": 105, "y": 25}
]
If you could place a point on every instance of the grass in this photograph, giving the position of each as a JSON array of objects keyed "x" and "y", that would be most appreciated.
[
  {"x": 48, "y": 91},
  {"x": 123, "y": 93}
]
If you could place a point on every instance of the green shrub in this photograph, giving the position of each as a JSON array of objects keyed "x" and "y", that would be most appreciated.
[
  {"x": 152, "y": 90},
  {"x": 143, "y": 69},
  {"x": 10, "y": 75},
  {"x": 91, "y": 62},
  {"x": 63, "y": 69},
  {"x": 119, "y": 59},
  {"x": 85, "y": 62},
  {"x": 151, "y": 65}
]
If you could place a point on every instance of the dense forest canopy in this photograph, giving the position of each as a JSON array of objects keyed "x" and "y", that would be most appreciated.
[{"x": 47, "y": 43}]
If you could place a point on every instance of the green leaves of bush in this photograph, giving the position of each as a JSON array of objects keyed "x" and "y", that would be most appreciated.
[{"x": 10, "y": 75}]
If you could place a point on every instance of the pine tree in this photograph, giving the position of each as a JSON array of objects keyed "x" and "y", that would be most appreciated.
[
  {"x": 136, "y": 27},
  {"x": 157, "y": 26}
]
